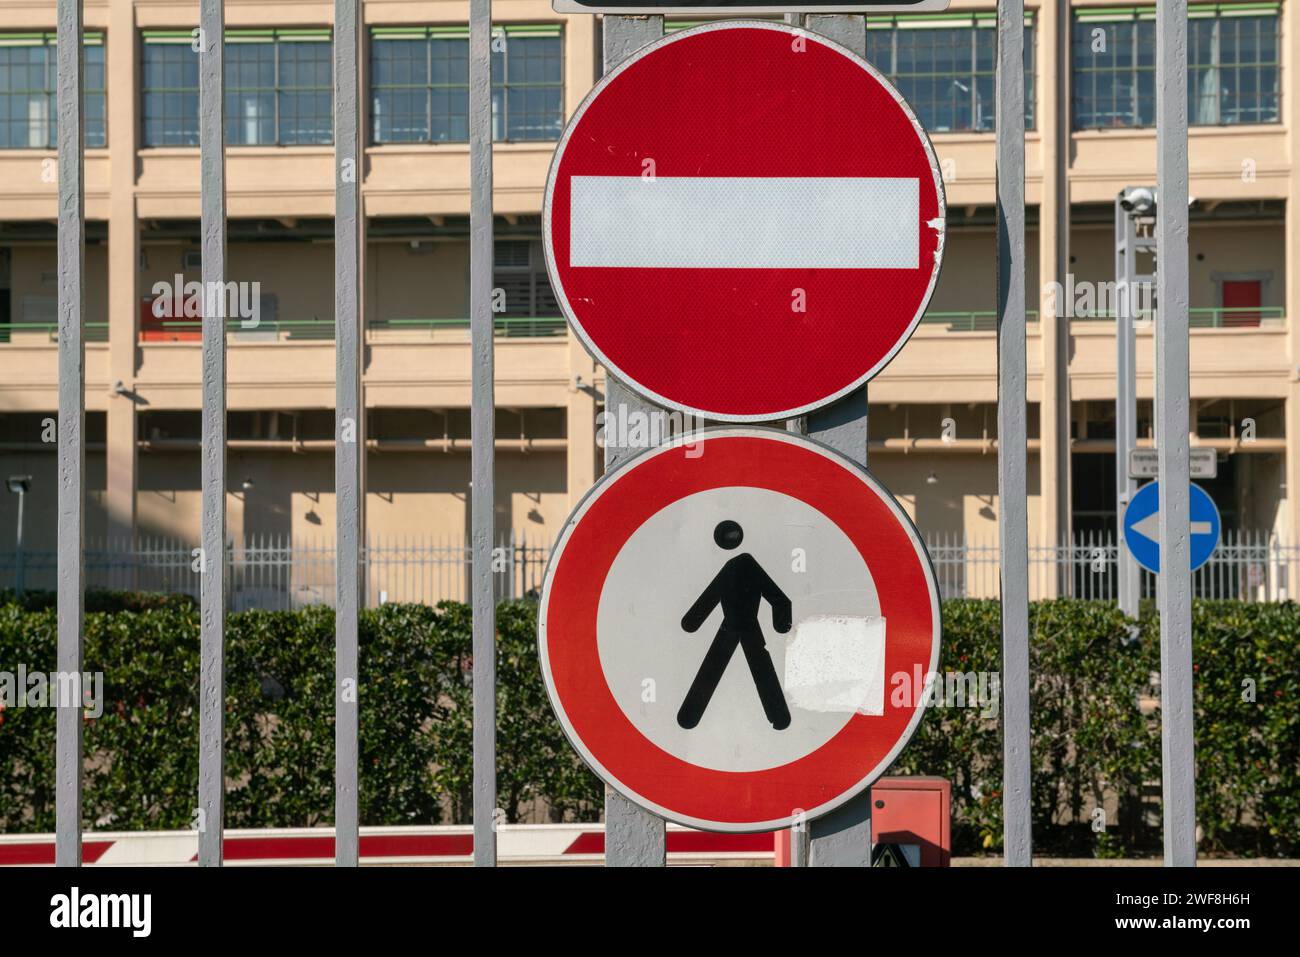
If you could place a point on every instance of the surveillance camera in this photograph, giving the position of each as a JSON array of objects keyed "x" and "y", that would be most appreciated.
[
  {"x": 1138, "y": 199},
  {"x": 19, "y": 483}
]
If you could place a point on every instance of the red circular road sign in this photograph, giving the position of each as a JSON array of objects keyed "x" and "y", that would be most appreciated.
[
  {"x": 744, "y": 221},
  {"x": 736, "y": 629}
]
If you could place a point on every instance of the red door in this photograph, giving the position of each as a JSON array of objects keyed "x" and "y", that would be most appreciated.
[{"x": 1243, "y": 295}]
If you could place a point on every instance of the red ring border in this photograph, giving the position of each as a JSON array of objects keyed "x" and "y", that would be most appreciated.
[{"x": 619, "y": 504}]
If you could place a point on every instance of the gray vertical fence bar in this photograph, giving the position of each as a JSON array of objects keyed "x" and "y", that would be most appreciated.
[
  {"x": 1172, "y": 411},
  {"x": 1013, "y": 524},
  {"x": 843, "y": 837},
  {"x": 72, "y": 421},
  {"x": 633, "y": 836},
  {"x": 212, "y": 565},
  {"x": 482, "y": 431},
  {"x": 349, "y": 446},
  {"x": 1127, "y": 581}
]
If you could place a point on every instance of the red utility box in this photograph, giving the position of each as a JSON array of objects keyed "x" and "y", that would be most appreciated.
[{"x": 912, "y": 813}]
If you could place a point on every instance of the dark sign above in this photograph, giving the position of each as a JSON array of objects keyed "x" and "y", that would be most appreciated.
[{"x": 723, "y": 7}]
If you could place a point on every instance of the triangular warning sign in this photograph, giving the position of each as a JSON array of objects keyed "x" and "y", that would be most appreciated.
[{"x": 888, "y": 855}]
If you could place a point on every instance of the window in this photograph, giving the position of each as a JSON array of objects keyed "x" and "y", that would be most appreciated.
[
  {"x": 171, "y": 92},
  {"x": 528, "y": 88},
  {"x": 420, "y": 84},
  {"x": 29, "y": 90},
  {"x": 945, "y": 67},
  {"x": 278, "y": 88},
  {"x": 519, "y": 269},
  {"x": 1232, "y": 70}
]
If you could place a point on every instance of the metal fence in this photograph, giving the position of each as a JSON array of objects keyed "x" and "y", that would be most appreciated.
[
  {"x": 1247, "y": 565},
  {"x": 635, "y": 840},
  {"x": 280, "y": 573}
]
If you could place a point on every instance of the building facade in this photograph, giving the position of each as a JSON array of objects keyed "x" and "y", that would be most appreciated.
[{"x": 1090, "y": 120}]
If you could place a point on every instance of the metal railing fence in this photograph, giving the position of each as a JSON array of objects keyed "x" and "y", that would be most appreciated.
[
  {"x": 1247, "y": 565},
  {"x": 278, "y": 572},
  {"x": 532, "y": 327}
]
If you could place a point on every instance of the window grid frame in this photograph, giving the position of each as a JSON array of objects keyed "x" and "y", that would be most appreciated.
[
  {"x": 1235, "y": 68},
  {"x": 972, "y": 23},
  {"x": 1085, "y": 19},
  {"x": 499, "y": 89},
  {"x": 47, "y": 42},
  {"x": 275, "y": 38}
]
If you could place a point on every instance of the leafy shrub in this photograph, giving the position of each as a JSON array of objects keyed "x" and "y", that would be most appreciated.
[
  {"x": 1092, "y": 743},
  {"x": 142, "y": 752}
]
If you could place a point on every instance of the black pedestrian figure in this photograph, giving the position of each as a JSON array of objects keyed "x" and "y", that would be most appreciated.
[{"x": 739, "y": 587}]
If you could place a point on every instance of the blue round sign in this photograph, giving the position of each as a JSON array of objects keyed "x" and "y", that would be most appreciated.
[{"x": 1142, "y": 527}]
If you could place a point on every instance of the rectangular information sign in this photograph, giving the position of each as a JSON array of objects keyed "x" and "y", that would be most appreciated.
[{"x": 1144, "y": 463}]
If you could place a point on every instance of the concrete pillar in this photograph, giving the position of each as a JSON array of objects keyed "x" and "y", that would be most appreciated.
[
  {"x": 581, "y": 53},
  {"x": 583, "y": 464},
  {"x": 123, "y": 273}
]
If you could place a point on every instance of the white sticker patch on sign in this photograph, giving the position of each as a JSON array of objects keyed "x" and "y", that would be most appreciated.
[{"x": 836, "y": 663}]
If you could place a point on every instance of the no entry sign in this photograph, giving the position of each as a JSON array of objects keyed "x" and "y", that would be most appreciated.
[
  {"x": 736, "y": 629},
  {"x": 744, "y": 221}
]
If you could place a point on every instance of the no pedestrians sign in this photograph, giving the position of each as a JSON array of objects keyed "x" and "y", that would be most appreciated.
[{"x": 732, "y": 628}]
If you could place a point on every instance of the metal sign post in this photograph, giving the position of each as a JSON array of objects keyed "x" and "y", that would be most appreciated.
[
  {"x": 71, "y": 426},
  {"x": 1172, "y": 411},
  {"x": 212, "y": 544},
  {"x": 482, "y": 432},
  {"x": 841, "y": 838},
  {"x": 1127, "y": 283},
  {"x": 634, "y": 837},
  {"x": 1013, "y": 520}
]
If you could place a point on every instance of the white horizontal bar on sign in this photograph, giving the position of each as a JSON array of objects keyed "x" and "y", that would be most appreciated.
[{"x": 724, "y": 222}]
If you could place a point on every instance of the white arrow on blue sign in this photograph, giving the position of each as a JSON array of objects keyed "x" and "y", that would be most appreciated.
[{"x": 1142, "y": 527}]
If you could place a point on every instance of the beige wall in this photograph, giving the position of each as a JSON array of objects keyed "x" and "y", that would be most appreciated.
[
  {"x": 1217, "y": 250},
  {"x": 968, "y": 278},
  {"x": 414, "y": 496},
  {"x": 40, "y": 519},
  {"x": 962, "y": 504},
  {"x": 431, "y": 283},
  {"x": 423, "y": 494},
  {"x": 34, "y": 276}
]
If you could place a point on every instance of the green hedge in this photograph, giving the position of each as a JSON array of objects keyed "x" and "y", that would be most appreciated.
[
  {"x": 142, "y": 753},
  {"x": 1092, "y": 743},
  {"x": 1093, "y": 746},
  {"x": 100, "y": 599}
]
